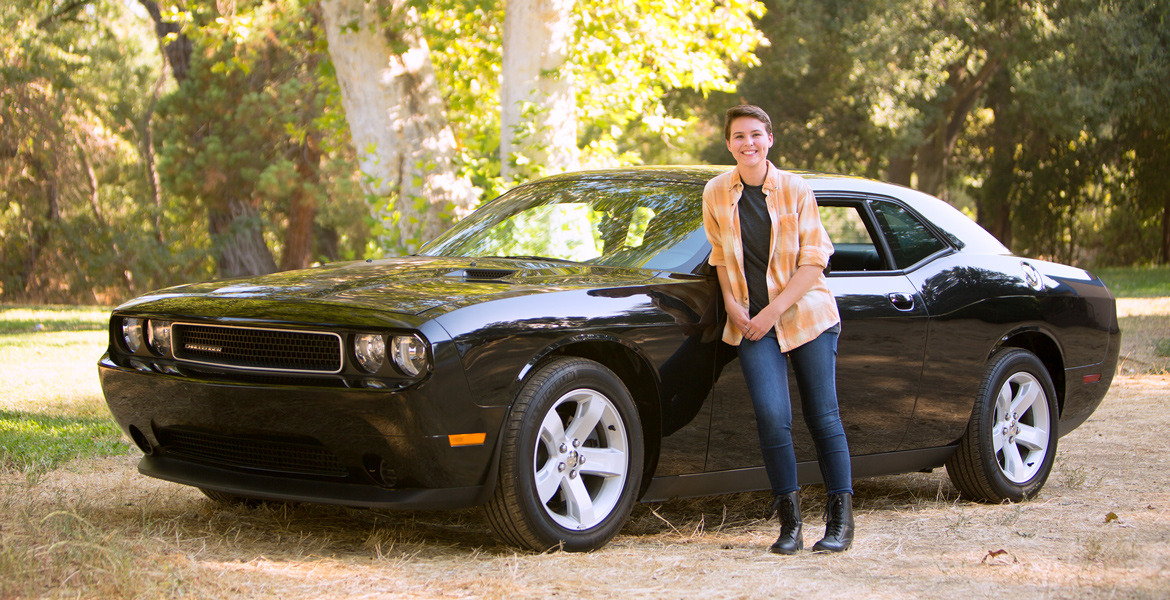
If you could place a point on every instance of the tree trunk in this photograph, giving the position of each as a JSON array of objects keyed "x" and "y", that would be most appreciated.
[
  {"x": 397, "y": 120},
  {"x": 538, "y": 125},
  {"x": 993, "y": 206},
  {"x": 942, "y": 135},
  {"x": 298, "y": 238},
  {"x": 146, "y": 149},
  {"x": 40, "y": 233},
  {"x": 177, "y": 51},
  {"x": 239, "y": 240},
  {"x": 1166, "y": 231},
  {"x": 901, "y": 169}
]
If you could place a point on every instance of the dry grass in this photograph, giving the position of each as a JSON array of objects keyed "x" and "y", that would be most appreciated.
[
  {"x": 1100, "y": 529},
  {"x": 97, "y": 528},
  {"x": 1145, "y": 340}
]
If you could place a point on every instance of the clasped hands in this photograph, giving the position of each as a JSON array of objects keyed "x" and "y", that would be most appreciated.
[{"x": 757, "y": 327}]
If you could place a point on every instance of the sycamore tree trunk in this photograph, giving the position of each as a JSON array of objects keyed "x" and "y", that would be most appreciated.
[
  {"x": 538, "y": 126},
  {"x": 396, "y": 118}
]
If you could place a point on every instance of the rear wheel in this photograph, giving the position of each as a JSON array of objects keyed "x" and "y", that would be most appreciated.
[
  {"x": 571, "y": 461},
  {"x": 1010, "y": 443}
]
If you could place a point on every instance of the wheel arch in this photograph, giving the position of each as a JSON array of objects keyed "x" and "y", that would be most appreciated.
[
  {"x": 1047, "y": 350},
  {"x": 629, "y": 365}
]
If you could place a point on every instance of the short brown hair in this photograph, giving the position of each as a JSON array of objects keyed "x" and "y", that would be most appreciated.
[{"x": 745, "y": 110}]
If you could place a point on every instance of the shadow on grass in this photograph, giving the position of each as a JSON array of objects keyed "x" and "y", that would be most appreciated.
[{"x": 265, "y": 529}]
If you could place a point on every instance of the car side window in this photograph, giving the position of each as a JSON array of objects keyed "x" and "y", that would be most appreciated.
[
  {"x": 910, "y": 241},
  {"x": 853, "y": 247}
]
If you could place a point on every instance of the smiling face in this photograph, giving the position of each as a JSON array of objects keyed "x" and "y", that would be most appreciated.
[{"x": 749, "y": 142}]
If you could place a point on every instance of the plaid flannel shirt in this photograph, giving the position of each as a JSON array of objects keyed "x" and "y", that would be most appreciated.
[{"x": 798, "y": 239}]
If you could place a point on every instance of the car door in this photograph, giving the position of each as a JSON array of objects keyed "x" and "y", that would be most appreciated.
[{"x": 880, "y": 352}]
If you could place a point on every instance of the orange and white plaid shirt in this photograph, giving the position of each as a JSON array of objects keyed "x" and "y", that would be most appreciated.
[{"x": 798, "y": 239}]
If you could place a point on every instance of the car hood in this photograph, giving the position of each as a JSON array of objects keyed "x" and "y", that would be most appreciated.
[{"x": 409, "y": 285}]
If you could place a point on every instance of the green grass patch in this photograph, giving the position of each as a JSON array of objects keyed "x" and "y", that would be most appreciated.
[
  {"x": 33, "y": 443},
  {"x": 36, "y": 319},
  {"x": 51, "y": 406},
  {"x": 1137, "y": 282}
]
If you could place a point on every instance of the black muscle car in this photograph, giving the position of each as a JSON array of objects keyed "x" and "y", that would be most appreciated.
[{"x": 556, "y": 356}]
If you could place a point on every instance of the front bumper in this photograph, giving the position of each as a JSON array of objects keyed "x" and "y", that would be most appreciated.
[{"x": 348, "y": 446}]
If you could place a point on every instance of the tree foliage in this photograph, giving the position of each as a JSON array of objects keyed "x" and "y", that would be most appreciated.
[
  {"x": 1041, "y": 119},
  {"x": 626, "y": 59},
  {"x": 254, "y": 137},
  {"x": 1047, "y": 121},
  {"x": 74, "y": 216}
]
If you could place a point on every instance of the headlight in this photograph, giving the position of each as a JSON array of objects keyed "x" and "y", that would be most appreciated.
[
  {"x": 132, "y": 333},
  {"x": 160, "y": 337},
  {"x": 410, "y": 354},
  {"x": 370, "y": 350}
]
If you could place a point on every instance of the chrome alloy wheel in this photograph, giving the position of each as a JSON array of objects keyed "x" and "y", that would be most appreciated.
[
  {"x": 581, "y": 461},
  {"x": 1022, "y": 424}
]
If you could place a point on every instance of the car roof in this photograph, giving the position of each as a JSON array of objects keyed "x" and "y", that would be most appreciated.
[{"x": 973, "y": 238}]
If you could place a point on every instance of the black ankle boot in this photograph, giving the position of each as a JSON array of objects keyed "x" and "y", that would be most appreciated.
[
  {"x": 838, "y": 524},
  {"x": 791, "y": 538}
]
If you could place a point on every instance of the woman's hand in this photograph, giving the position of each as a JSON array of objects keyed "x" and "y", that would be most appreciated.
[
  {"x": 763, "y": 322},
  {"x": 738, "y": 315}
]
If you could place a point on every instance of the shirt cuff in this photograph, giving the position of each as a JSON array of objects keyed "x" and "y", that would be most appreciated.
[{"x": 813, "y": 257}]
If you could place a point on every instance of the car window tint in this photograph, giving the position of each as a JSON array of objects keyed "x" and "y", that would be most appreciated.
[
  {"x": 619, "y": 222},
  {"x": 910, "y": 241},
  {"x": 853, "y": 248}
]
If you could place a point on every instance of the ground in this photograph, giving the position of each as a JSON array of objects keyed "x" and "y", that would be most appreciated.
[{"x": 1099, "y": 529}]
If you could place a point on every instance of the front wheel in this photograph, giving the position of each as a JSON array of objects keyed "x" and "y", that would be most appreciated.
[
  {"x": 571, "y": 461},
  {"x": 1010, "y": 443}
]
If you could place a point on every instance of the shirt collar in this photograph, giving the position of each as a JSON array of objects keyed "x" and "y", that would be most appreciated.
[{"x": 769, "y": 180}]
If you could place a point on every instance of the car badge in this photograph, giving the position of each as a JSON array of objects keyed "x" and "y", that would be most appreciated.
[{"x": 203, "y": 348}]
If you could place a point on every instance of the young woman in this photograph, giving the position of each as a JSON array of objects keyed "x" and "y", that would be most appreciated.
[{"x": 770, "y": 250}]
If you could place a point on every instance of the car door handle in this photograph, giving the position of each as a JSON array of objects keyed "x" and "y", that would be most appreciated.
[{"x": 901, "y": 300}]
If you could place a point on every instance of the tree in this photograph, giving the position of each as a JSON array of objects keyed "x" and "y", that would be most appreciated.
[
  {"x": 72, "y": 83},
  {"x": 1040, "y": 119},
  {"x": 396, "y": 119},
  {"x": 251, "y": 133},
  {"x": 611, "y": 100},
  {"x": 538, "y": 120}
]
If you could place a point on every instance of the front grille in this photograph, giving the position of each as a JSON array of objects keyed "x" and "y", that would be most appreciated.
[
  {"x": 265, "y": 455},
  {"x": 261, "y": 349}
]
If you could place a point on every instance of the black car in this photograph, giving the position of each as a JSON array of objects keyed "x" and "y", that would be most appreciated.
[{"x": 556, "y": 356}]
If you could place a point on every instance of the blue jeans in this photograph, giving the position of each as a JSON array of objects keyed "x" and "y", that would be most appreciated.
[{"x": 765, "y": 368}]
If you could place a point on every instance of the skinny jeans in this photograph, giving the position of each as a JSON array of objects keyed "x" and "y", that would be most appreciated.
[{"x": 765, "y": 369}]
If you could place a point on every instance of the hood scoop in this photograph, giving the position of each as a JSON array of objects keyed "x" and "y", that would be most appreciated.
[{"x": 479, "y": 274}]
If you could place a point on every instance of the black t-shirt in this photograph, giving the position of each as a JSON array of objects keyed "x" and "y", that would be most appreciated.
[{"x": 755, "y": 228}]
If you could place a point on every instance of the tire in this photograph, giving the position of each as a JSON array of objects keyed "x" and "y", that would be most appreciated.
[
  {"x": 571, "y": 462},
  {"x": 1010, "y": 444}
]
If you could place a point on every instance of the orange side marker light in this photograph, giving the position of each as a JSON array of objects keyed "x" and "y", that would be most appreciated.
[{"x": 466, "y": 439}]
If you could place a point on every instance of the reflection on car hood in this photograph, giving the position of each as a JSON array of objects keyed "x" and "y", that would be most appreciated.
[{"x": 410, "y": 285}]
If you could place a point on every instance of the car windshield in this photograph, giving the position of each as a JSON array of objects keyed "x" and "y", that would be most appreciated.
[{"x": 612, "y": 222}]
